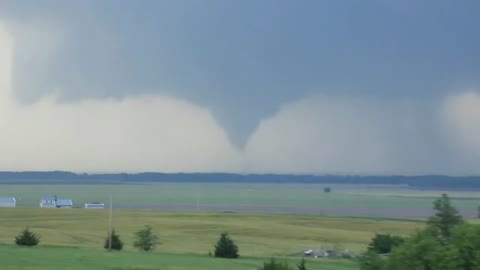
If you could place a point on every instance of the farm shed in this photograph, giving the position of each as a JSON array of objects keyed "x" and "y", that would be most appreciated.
[
  {"x": 95, "y": 205},
  {"x": 8, "y": 202}
]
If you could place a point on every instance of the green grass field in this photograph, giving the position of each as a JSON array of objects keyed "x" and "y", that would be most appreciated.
[{"x": 52, "y": 258}]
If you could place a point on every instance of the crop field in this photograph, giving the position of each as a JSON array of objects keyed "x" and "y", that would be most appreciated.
[
  {"x": 73, "y": 238},
  {"x": 344, "y": 200}
]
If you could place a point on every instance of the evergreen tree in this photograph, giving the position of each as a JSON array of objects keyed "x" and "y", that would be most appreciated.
[
  {"x": 116, "y": 242},
  {"x": 146, "y": 239},
  {"x": 225, "y": 247},
  {"x": 27, "y": 238},
  {"x": 446, "y": 217}
]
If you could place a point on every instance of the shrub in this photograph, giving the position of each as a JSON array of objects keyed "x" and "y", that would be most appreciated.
[
  {"x": 225, "y": 247},
  {"x": 384, "y": 243},
  {"x": 116, "y": 242},
  {"x": 327, "y": 189},
  {"x": 146, "y": 240},
  {"x": 272, "y": 264},
  {"x": 27, "y": 238}
]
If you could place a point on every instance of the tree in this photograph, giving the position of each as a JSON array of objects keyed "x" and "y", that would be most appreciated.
[
  {"x": 424, "y": 250},
  {"x": 116, "y": 242},
  {"x": 446, "y": 217},
  {"x": 301, "y": 265},
  {"x": 327, "y": 189},
  {"x": 272, "y": 264},
  {"x": 225, "y": 247},
  {"x": 146, "y": 239},
  {"x": 466, "y": 238},
  {"x": 27, "y": 238},
  {"x": 384, "y": 243},
  {"x": 448, "y": 243}
]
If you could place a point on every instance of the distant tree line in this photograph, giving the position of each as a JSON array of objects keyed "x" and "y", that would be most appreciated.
[{"x": 61, "y": 177}]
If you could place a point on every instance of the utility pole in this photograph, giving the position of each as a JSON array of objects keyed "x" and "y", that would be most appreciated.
[{"x": 110, "y": 230}]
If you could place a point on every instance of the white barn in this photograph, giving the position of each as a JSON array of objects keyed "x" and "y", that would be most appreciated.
[
  {"x": 54, "y": 202},
  {"x": 8, "y": 202}
]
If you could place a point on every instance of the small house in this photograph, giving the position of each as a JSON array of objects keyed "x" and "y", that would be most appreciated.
[
  {"x": 8, "y": 202},
  {"x": 95, "y": 205},
  {"x": 48, "y": 202}
]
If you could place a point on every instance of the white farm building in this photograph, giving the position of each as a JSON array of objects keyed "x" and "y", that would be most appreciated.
[
  {"x": 53, "y": 202},
  {"x": 8, "y": 202}
]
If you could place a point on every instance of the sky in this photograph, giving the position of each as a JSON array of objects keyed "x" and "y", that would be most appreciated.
[{"x": 272, "y": 86}]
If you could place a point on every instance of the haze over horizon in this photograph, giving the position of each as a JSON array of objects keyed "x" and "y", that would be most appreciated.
[{"x": 379, "y": 87}]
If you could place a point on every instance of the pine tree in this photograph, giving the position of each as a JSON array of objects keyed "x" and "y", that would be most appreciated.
[
  {"x": 27, "y": 238},
  {"x": 116, "y": 242},
  {"x": 446, "y": 217},
  {"x": 225, "y": 247}
]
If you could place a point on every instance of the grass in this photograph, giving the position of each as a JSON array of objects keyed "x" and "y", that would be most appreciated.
[
  {"x": 257, "y": 235},
  {"x": 48, "y": 258},
  {"x": 73, "y": 238}
]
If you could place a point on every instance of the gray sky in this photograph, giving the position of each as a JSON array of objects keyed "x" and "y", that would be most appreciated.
[{"x": 377, "y": 87}]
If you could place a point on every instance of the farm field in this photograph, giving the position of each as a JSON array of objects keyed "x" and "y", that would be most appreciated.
[
  {"x": 257, "y": 235},
  {"x": 344, "y": 200}
]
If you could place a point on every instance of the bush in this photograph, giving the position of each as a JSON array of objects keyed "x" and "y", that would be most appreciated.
[
  {"x": 272, "y": 264},
  {"x": 225, "y": 247},
  {"x": 384, "y": 243},
  {"x": 301, "y": 265},
  {"x": 27, "y": 238},
  {"x": 116, "y": 242},
  {"x": 146, "y": 240},
  {"x": 327, "y": 189}
]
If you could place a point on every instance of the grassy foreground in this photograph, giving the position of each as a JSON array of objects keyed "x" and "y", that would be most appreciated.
[
  {"x": 258, "y": 235},
  {"x": 67, "y": 258}
]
